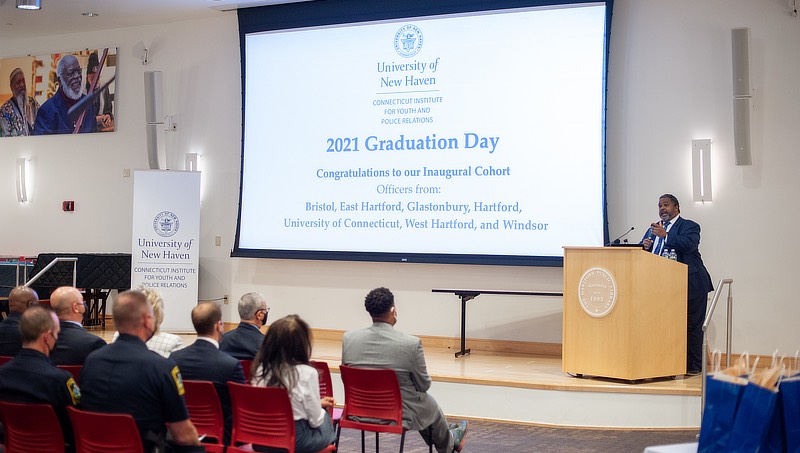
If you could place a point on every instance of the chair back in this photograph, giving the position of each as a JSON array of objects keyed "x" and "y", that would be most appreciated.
[
  {"x": 325, "y": 382},
  {"x": 205, "y": 410},
  {"x": 98, "y": 432},
  {"x": 372, "y": 393},
  {"x": 31, "y": 428},
  {"x": 246, "y": 364},
  {"x": 261, "y": 416},
  {"x": 74, "y": 370},
  {"x": 326, "y": 388}
]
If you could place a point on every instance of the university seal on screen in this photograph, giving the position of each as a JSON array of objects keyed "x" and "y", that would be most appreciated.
[
  {"x": 166, "y": 224},
  {"x": 408, "y": 41},
  {"x": 597, "y": 292}
]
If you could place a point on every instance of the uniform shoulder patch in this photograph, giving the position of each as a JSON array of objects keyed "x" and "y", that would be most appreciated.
[
  {"x": 176, "y": 376},
  {"x": 74, "y": 391}
]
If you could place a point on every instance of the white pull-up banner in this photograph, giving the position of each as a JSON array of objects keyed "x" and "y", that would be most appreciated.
[{"x": 165, "y": 248}]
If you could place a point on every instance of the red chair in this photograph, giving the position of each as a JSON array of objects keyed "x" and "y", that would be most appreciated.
[
  {"x": 74, "y": 370},
  {"x": 326, "y": 388},
  {"x": 372, "y": 393},
  {"x": 98, "y": 432},
  {"x": 205, "y": 411},
  {"x": 262, "y": 416},
  {"x": 31, "y": 428},
  {"x": 4, "y": 359},
  {"x": 246, "y": 364}
]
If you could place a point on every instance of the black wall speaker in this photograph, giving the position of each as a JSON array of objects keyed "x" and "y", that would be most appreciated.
[
  {"x": 740, "y": 40},
  {"x": 154, "y": 114}
]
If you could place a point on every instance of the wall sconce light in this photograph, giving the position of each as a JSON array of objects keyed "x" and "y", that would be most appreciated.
[
  {"x": 701, "y": 170},
  {"x": 191, "y": 162},
  {"x": 22, "y": 179},
  {"x": 29, "y": 4},
  {"x": 140, "y": 51}
]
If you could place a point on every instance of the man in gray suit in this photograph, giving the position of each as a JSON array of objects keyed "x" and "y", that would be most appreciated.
[{"x": 380, "y": 346}]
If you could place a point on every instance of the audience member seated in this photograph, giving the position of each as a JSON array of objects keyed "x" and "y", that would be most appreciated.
[
  {"x": 381, "y": 346},
  {"x": 126, "y": 377},
  {"x": 203, "y": 361},
  {"x": 31, "y": 378},
  {"x": 282, "y": 361},
  {"x": 163, "y": 343},
  {"x": 19, "y": 300},
  {"x": 74, "y": 342},
  {"x": 243, "y": 341}
]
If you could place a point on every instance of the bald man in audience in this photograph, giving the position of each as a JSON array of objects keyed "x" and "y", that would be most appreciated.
[
  {"x": 127, "y": 377},
  {"x": 31, "y": 378},
  {"x": 203, "y": 361},
  {"x": 74, "y": 343},
  {"x": 19, "y": 300}
]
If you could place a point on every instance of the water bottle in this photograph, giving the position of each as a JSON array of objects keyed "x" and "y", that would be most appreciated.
[
  {"x": 665, "y": 253},
  {"x": 673, "y": 255}
]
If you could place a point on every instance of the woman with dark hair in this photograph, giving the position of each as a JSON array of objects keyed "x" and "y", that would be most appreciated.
[{"x": 282, "y": 361}]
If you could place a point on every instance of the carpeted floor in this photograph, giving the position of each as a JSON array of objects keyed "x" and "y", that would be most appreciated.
[{"x": 494, "y": 437}]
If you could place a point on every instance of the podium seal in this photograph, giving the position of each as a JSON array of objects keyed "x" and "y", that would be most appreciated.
[{"x": 597, "y": 292}]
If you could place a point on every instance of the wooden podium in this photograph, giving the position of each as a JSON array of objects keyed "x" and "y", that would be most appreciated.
[{"x": 624, "y": 313}]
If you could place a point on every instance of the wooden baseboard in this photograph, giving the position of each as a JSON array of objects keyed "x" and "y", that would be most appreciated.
[
  {"x": 761, "y": 362},
  {"x": 501, "y": 346},
  {"x": 475, "y": 344}
]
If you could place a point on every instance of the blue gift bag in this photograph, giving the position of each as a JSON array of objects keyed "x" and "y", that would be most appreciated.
[
  {"x": 723, "y": 393},
  {"x": 775, "y": 441},
  {"x": 753, "y": 419},
  {"x": 790, "y": 402}
]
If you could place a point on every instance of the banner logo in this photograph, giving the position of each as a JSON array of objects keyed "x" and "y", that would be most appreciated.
[
  {"x": 408, "y": 41},
  {"x": 166, "y": 224}
]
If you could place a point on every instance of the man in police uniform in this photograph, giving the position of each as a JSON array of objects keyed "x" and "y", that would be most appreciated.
[
  {"x": 127, "y": 377},
  {"x": 243, "y": 341},
  {"x": 31, "y": 378},
  {"x": 19, "y": 300},
  {"x": 74, "y": 343}
]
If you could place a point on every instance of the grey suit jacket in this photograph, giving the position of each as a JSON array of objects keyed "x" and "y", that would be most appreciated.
[{"x": 381, "y": 346}]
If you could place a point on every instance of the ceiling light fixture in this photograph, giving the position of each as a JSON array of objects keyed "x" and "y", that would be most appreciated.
[{"x": 29, "y": 4}]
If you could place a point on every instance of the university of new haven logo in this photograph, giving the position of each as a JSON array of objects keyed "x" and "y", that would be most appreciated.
[
  {"x": 597, "y": 292},
  {"x": 166, "y": 224},
  {"x": 408, "y": 41}
]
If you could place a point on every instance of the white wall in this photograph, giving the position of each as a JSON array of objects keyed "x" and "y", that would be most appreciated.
[
  {"x": 669, "y": 82},
  {"x": 202, "y": 89}
]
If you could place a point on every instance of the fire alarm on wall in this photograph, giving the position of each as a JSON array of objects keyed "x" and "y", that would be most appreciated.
[{"x": 68, "y": 206}]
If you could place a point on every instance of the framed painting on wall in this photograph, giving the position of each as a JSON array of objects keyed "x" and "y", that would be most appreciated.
[{"x": 59, "y": 93}]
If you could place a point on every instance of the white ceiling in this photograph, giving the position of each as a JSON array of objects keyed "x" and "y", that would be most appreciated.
[{"x": 65, "y": 16}]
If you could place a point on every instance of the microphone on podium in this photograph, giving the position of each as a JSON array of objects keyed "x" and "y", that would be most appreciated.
[{"x": 616, "y": 241}]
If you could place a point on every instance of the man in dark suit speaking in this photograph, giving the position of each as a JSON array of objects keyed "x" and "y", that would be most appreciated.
[
  {"x": 673, "y": 232},
  {"x": 74, "y": 343},
  {"x": 203, "y": 361}
]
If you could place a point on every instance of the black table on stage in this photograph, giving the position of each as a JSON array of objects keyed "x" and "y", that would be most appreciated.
[{"x": 469, "y": 294}]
